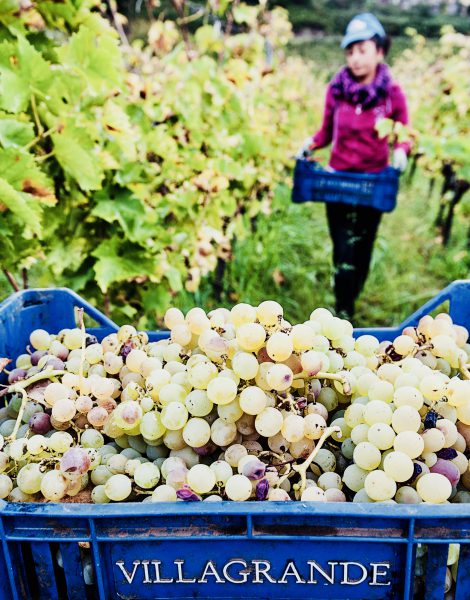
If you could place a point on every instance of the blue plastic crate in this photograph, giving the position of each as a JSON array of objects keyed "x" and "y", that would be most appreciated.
[
  {"x": 313, "y": 183},
  {"x": 228, "y": 550}
]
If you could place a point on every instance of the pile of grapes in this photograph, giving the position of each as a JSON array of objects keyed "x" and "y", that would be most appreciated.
[{"x": 239, "y": 405}]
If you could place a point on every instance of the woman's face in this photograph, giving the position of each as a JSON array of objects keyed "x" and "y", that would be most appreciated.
[{"x": 362, "y": 58}]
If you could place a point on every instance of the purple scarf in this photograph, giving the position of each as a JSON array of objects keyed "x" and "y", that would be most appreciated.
[{"x": 345, "y": 87}]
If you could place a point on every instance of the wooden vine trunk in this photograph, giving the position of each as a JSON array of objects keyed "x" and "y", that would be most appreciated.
[{"x": 457, "y": 187}]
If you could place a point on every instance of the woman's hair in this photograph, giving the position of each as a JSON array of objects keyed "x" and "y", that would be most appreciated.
[{"x": 383, "y": 43}]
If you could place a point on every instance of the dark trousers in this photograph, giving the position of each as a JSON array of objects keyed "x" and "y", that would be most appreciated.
[{"x": 353, "y": 230}]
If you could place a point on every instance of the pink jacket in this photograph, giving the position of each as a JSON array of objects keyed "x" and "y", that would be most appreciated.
[{"x": 356, "y": 144}]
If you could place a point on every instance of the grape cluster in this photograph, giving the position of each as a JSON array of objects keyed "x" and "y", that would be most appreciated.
[{"x": 240, "y": 405}]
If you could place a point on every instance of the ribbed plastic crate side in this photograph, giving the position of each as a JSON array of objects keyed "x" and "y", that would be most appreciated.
[
  {"x": 176, "y": 544},
  {"x": 7, "y": 586},
  {"x": 294, "y": 549}
]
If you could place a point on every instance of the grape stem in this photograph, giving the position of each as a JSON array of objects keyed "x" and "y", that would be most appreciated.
[
  {"x": 320, "y": 375},
  {"x": 325, "y": 375},
  {"x": 24, "y": 383},
  {"x": 286, "y": 475},
  {"x": 302, "y": 469},
  {"x": 289, "y": 401},
  {"x": 269, "y": 453},
  {"x": 463, "y": 368},
  {"x": 422, "y": 348},
  {"x": 417, "y": 348},
  {"x": 20, "y": 387},
  {"x": 77, "y": 430},
  {"x": 48, "y": 462},
  {"x": 19, "y": 418},
  {"x": 279, "y": 465},
  {"x": 82, "y": 355}
]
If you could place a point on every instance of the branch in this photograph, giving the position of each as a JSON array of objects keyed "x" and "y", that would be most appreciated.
[
  {"x": 36, "y": 116},
  {"x": 149, "y": 10},
  {"x": 42, "y": 135},
  {"x": 179, "y": 7},
  {"x": 24, "y": 274},
  {"x": 190, "y": 18},
  {"x": 228, "y": 29},
  {"x": 12, "y": 280},
  {"x": 117, "y": 23},
  {"x": 107, "y": 310}
]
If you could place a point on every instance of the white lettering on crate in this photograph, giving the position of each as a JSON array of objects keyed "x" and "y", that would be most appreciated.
[
  {"x": 258, "y": 571},
  {"x": 262, "y": 571}
]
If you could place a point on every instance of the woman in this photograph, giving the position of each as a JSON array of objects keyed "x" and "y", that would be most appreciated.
[{"x": 359, "y": 95}]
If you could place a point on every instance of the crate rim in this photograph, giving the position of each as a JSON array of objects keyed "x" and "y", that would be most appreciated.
[
  {"x": 228, "y": 508},
  {"x": 317, "y": 166}
]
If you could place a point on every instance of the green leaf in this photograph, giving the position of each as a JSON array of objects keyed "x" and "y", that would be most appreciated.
[
  {"x": 136, "y": 223},
  {"x": 23, "y": 72},
  {"x": 155, "y": 300},
  {"x": 97, "y": 59},
  {"x": 14, "y": 90},
  {"x": 464, "y": 172},
  {"x": 18, "y": 203},
  {"x": 208, "y": 40},
  {"x": 7, "y": 10},
  {"x": 116, "y": 120},
  {"x": 19, "y": 169},
  {"x": 174, "y": 279},
  {"x": 131, "y": 173},
  {"x": 162, "y": 143},
  {"x": 15, "y": 134},
  {"x": 457, "y": 149},
  {"x": 119, "y": 263},
  {"x": 68, "y": 256},
  {"x": 245, "y": 14},
  {"x": 57, "y": 14},
  {"x": 74, "y": 149},
  {"x": 8, "y": 6}
]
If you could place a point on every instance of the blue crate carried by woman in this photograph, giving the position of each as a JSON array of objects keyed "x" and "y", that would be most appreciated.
[{"x": 313, "y": 183}]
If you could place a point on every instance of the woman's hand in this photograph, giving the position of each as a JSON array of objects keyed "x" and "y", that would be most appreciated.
[
  {"x": 307, "y": 148},
  {"x": 400, "y": 159}
]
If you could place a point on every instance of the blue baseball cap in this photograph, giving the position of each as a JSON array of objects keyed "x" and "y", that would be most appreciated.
[{"x": 362, "y": 27}]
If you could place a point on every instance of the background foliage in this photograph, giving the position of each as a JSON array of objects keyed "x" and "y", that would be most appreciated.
[
  {"x": 331, "y": 16},
  {"x": 159, "y": 172},
  {"x": 131, "y": 170}
]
